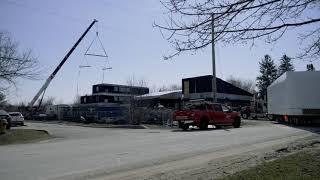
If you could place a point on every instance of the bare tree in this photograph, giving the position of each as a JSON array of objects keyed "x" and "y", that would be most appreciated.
[
  {"x": 170, "y": 87},
  {"x": 188, "y": 26},
  {"x": 244, "y": 84},
  {"x": 3, "y": 100},
  {"x": 133, "y": 113},
  {"x": 132, "y": 81},
  {"x": 48, "y": 101},
  {"x": 77, "y": 100},
  {"x": 15, "y": 65}
]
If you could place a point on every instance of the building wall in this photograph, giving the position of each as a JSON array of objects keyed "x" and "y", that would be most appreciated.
[
  {"x": 201, "y": 88},
  {"x": 203, "y": 84},
  {"x": 120, "y": 89},
  {"x": 112, "y": 93}
]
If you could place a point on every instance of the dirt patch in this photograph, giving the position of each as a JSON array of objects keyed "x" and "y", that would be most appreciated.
[
  {"x": 292, "y": 148},
  {"x": 19, "y": 136}
]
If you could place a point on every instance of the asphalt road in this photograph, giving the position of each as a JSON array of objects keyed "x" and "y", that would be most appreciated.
[{"x": 81, "y": 151}]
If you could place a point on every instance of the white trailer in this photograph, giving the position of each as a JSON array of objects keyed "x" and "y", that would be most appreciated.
[{"x": 295, "y": 97}]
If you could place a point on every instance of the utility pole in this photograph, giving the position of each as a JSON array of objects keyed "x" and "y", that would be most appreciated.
[{"x": 214, "y": 82}]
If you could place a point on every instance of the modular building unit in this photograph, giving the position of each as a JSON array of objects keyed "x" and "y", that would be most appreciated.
[
  {"x": 201, "y": 88},
  {"x": 113, "y": 93},
  {"x": 295, "y": 95}
]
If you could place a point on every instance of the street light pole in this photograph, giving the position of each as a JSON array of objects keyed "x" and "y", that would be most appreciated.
[{"x": 214, "y": 82}]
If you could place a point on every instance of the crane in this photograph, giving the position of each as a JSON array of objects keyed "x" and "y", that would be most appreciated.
[{"x": 47, "y": 82}]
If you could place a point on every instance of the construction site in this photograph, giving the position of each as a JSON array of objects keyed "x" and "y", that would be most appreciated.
[{"x": 101, "y": 95}]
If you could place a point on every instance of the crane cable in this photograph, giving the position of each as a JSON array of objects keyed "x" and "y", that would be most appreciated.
[
  {"x": 104, "y": 55},
  {"x": 101, "y": 45}
]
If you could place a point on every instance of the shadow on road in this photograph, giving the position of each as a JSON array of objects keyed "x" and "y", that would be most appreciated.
[{"x": 195, "y": 129}]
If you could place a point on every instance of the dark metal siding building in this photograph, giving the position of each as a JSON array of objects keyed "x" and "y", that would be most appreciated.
[
  {"x": 201, "y": 88},
  {"x": 168, "y": 99}
]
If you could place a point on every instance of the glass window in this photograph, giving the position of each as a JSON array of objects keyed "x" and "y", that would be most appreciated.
[
  {"x": 124, "y": 99},
  {"x": 209, "y": 107},
  {"x": 124, "y": 89},
  {"x": 199, "y": 107},
  {"x": 14, "y": 114},
  {"x": 217, "y": 107},
  {"x": 225, "y": 109}
]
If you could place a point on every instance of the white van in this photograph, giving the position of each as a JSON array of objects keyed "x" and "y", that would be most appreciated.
[{"x": 17, "y": 118}]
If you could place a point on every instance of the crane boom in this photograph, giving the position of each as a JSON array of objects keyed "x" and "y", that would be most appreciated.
[{"x": 46, "y": 84}]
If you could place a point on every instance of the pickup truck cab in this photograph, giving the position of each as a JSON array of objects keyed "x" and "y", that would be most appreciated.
[{"x": 205, "y": 114}]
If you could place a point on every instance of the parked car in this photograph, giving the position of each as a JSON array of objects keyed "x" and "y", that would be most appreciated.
[
  {"x": 205, "y": 114},
  {"x": 40, "y": 117},
  {"x": 5, "y": 115},
  {"x": 16, "y": 118}
]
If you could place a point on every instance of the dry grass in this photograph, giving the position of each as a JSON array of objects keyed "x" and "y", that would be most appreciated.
[
  {"x": 302, "y": 165},
  {"x": 17, "y": 136}
]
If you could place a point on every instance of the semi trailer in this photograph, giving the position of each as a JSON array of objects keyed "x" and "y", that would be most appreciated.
[{"x": 294, "y": 98}]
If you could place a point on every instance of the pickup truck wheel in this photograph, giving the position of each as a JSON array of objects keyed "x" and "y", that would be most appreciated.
[
  {"x": 236, "y": 123},
  {"x": 203, "y": 124},
  {"x": 8, "y": 126},
  {"x": 185, "y": 127},
  {"x": 245, "y": 116}
]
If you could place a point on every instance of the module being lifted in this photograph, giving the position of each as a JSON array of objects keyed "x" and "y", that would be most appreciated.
[
  {"x": 113, "y": 93},
  {"x": 295, "y": 96}
]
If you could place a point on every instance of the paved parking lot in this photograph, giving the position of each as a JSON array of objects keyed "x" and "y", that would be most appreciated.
[{"x": 76, "y": 151}]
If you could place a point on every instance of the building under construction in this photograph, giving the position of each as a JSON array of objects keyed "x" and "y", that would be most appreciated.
[
  {"x": 113, "y": 93},
  {"x": 107, "y": 103}
]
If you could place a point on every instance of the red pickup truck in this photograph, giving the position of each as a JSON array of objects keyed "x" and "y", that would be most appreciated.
[{"x": 205, "y": 114}]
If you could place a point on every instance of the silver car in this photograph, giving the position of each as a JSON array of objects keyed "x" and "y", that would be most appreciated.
[{"x": 16, "y": 118}]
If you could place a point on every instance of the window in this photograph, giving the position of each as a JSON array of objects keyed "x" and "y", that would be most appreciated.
[
  {"x": 199, "y": 107},
  {"x": 124, "y": 89},
  {"x": 97, "y": 88},
  {"x": 14, "y": 114},
  {"x": 225, "y": 109},
  {"x": 115, "y": 88},
  {"x": 209, "y": 107},
  {"x": 124, "y": 99},
  {"x": 217, "y": 107}
]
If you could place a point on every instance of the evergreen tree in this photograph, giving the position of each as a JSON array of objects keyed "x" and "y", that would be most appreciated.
[
  {"x": 268, "y": 73},
  {"x": 285, "y": 65},
  {"x": 310, "y": 67}
]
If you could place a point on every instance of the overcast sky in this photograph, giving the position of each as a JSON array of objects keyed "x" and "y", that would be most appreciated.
[{"x": 50, "y": 28}]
